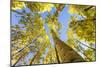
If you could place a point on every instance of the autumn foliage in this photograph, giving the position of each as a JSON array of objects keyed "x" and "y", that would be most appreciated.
[{"x": 36, "y": 40}]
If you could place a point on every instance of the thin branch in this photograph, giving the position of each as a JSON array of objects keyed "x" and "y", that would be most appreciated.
[
  {"x": 20, "y": 13},
  {"x": 85, "y": 44}
]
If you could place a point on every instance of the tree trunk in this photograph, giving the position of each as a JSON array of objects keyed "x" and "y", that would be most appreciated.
[{"x": 65, "y": 53}]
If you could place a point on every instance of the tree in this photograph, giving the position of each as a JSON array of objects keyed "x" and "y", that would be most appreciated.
[
  {"x": 64, "y": 52},
  {"x": 83, "y": 28}
]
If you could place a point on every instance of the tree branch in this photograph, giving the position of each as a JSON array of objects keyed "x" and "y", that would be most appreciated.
[{"x": 85, "y": 44}]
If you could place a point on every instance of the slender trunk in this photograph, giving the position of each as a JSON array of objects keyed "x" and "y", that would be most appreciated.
[
  {"x": 35, "y": 56},
  {"x": 22, "y": 56},
  {"x": 86, "y": 9},
  {"x": 84, "y": 53},
  {"x": 57, "y": 54},
  {"x": 26, "y": 45},
  {"x": 85, "y": 44}
]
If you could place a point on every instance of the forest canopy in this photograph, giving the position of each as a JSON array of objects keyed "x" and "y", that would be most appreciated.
[{"x": 47, "y": 33}]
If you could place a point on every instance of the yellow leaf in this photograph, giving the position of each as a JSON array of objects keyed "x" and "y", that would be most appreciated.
[{"x": 17, "y": 5}]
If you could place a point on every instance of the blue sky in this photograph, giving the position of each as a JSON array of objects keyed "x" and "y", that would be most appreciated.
[{"x": 63, "y": 19}]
